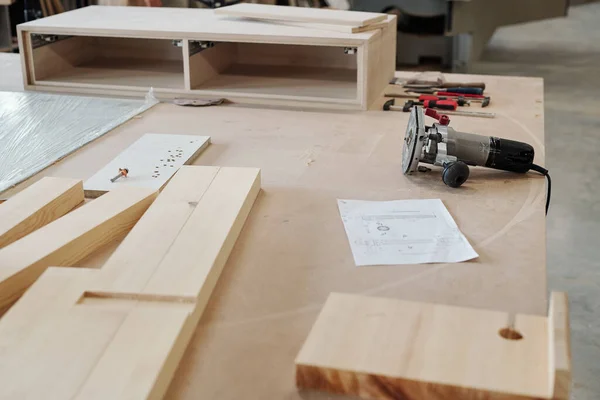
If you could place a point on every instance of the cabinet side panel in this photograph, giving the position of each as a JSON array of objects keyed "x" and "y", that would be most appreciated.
[{"x": 381, "y": 62}]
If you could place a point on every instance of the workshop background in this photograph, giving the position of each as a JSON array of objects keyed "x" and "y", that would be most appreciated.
[{"x": 566, "y": 53}]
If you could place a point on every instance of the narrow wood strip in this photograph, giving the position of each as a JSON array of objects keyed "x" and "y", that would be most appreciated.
[
  {"x": 144, "y": 354},
  {"x": 69, "y": 239},
  {"x": 39, "y": 204}
]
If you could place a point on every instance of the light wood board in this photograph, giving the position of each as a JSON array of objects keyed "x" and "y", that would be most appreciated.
[
  {"x": 183, "y": 23},
  {"x": 301, "y": 14},
  {"x": 152, "y": 161},
  {"x": 387, "y": 349},
  {"x": 340, "y": 28},
  {"x": 119, "y": 332},
  {"x": 38, "y": 205},
  {"x": 69, "y": 239}
]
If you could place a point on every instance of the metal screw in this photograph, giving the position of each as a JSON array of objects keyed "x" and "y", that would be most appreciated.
[{"x": 122, "y": 173}]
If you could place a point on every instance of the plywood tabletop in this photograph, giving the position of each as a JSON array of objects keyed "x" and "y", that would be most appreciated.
[
  {"x": 184, "y": 23},
  {"x": 293, "y": 250}
]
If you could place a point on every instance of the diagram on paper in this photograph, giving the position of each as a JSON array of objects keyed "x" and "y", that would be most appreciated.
[{"x": 403, "y": 232}]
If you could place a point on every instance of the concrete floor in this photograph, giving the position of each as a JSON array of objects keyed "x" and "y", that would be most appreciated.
[{"x": 566, "y": 53}]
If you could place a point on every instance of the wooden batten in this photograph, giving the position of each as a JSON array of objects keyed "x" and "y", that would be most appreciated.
[
  {"x": 69, "y": 239},
  {"x": 36, "y": 206},
  {"x": 121, "y": 330}
]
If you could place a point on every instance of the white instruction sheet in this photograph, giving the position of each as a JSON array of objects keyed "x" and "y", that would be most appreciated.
[{"x": 403, "y": 232}]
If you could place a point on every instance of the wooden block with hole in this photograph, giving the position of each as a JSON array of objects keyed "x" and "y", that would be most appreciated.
[
  {"x": 387, "y": 349},
  {"x": 119, "y": 332}
]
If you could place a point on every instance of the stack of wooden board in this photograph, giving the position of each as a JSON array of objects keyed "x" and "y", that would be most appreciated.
[
  {"x": 336, "y": 20},
  {"x": 197, "y": 53},
  {"x": 120, "y": 331}
]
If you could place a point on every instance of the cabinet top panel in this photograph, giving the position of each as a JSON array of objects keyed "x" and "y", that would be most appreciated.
[{"x": 186, "y": 23}]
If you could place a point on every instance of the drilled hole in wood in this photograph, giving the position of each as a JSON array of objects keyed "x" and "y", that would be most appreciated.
[{"x": 510, "y": 334}]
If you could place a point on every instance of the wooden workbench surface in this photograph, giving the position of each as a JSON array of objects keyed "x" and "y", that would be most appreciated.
[{"x": 293, "y": 250}]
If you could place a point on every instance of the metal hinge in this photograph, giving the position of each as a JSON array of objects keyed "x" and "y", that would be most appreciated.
[
  {"x": 350, "y": 50},
  {"x": 39, "y": 40},
  {"x": 196, "y": 46}
]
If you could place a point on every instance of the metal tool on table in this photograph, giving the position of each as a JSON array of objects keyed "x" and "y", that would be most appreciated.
[
  {"x": 472, "y": 98},
  {"x": 455, "y": 151},
  {"x": 430, "y": 101},
  {"x": 390, "y": 105},
  {"x": 454, "y": 101},
  {"x": 123, "y": 172},
  {"x": 440, "y": 83},
  {"x": 456, "y": 90}
]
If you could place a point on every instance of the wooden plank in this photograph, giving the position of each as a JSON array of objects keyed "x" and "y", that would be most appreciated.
[
  {"x": 179, "y": 23},
  {"x": 559, "y": 346},
  {"x": 69, "y": 239},
  {"x": 141, "y": 327},
  {"x": 38, "y": 205},
  {"x": 195, "y": 259},
  {"x": 341, "y": 28},
  {"x": 188, "y": 270},
  {"x": 300, "y": 14},
  {"x": 380, "y": 348},
  {"x": 380, "y": 63},
  {"x": 170, "y": 212},
  {"x": 152, "y": 160}
]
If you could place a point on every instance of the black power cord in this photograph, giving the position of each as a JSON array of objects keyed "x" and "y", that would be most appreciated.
[{"x": 544, "y": 172}]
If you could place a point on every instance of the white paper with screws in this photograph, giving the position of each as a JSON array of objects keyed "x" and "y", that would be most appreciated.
[
  {"x": 403, "y": 232},
  {"x": 152, "y": 160}
]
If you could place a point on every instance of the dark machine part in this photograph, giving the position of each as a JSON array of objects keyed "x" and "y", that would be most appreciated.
[
  {"x": 454, "y": 33},
  {"x": 479, "y": 150},
  {"x": 455, "y": 173},
  {"x": 453, "y": 150}
]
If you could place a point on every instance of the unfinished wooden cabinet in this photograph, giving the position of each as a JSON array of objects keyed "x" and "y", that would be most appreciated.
[
  {"x": 193, "y": 53},
  {"x": 94, "y": 61}
]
